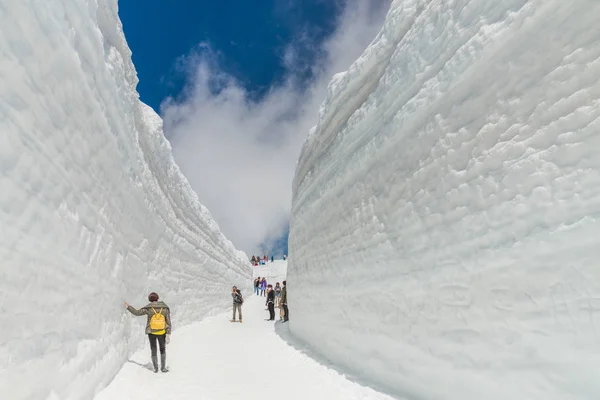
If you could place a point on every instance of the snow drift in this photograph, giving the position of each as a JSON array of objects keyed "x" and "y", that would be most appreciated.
[
  {"x": 93, "y": 210},
  {"x": 446, "y": 207}
]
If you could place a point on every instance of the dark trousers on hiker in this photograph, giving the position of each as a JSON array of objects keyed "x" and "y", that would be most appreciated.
[
  {"x": 286, "y": 313},
  {"x": 163, "y": 355},
  {"x": 271, "y": 312},
  {"x": 161, "y": 343}
]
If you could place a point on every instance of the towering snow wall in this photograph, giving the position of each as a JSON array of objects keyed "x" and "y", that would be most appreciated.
[
  {"x": 445, "y": 231},
  {"x": 93, "y": 210}
]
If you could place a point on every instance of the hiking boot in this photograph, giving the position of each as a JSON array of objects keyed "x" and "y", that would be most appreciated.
[
  {"x": 240, "y": 321},
  {"x": 163, "y": 363},
  {"x": 155, "y": 363},
  {"x": 233, "y": 320}
]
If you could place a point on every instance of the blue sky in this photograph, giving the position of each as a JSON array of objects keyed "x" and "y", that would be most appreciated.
[
  {"x": 238, "y": 85},
  {"x": 249, "y": 37}
]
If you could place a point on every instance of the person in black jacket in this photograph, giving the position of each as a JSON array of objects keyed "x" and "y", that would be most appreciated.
[
  {"x": 256, "y": 286},
  {"x": 286, "y": 311},
  {"x": 271, "y": 302}
]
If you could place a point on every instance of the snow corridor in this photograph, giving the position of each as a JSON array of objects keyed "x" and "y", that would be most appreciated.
[{"x": 216, "y": 359}]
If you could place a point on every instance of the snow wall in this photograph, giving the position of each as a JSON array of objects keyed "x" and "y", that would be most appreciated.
[
  {"x": 273, "y": 271},
  {"x": 445, "y": 230},
  {"x": 93, "y": 209}
]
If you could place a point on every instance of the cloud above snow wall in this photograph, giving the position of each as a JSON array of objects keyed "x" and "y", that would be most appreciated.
[
  {"x": 446, "y": 207},
  {"x": 240, "y": 154},
  {"x": 93, "y": 209}
]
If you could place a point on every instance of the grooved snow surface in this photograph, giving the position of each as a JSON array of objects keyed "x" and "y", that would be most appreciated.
[
  {"x": 447, "y": 205},
  {"x": 93, "y": 210}
]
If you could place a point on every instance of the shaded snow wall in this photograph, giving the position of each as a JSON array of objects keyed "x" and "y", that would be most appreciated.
[
  {"x": 93, "y": 209},
  {"x": 446, "y": 207}
]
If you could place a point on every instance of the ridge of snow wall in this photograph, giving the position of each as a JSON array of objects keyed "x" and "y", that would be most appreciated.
[
  {"x": 93, "y": 209},
  {"x": 445, "y": 228}
]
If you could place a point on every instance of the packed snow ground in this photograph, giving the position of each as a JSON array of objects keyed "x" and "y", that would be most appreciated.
[
  {"x": 448, "y": 205},
  {"x": 220, "y": 360}
]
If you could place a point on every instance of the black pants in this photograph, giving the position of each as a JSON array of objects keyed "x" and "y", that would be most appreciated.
[
  {"x": 286, "y": 313},
  {"x": 271, "y": 311},
  {"x": 161, "y": 343}
]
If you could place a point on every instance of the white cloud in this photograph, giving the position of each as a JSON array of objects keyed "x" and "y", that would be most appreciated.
[{"x": 240, "y": 155}]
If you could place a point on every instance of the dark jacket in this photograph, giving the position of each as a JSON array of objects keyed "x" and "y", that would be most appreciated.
[
  {"x": 237, "y": 297},
  {"x": 270, "y": 297},
  {"x": 284, "y": 295},
  {"x": 159, "y": 307}
]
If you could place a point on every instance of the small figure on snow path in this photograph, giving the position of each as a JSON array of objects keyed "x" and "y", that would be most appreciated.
[
  {"x": 286, "y": 312},
  {"x": 257, "y": 286},
  {"x": 263, "y": 287},
  {"x": 158, "y": 328},
  {"x": 238, "y": 300},
  {"x": 271, "y": 302},
  {"x": 278, "y": 300}
]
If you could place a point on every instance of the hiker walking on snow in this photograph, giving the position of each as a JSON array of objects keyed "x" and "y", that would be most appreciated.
[
  {"x": 286, "y": 312},
  {"x": 271, "y": 302},
  {"x": 158, "y": 328},
  {"x": 238, "y": 300}
]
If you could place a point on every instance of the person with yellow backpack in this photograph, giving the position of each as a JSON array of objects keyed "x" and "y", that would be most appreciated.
[{"x": 158, "y": 327}]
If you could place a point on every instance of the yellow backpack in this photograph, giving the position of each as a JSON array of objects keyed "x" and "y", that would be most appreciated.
[{"x": 158, "y": 323}]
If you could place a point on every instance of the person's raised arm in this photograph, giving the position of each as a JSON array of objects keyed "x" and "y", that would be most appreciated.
[{"x": 132, "y": 310}]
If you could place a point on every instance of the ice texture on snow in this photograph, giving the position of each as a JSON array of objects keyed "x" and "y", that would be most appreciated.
[
  {"x": 445, "y": 228},
  {"x": 93, "y": 209}
]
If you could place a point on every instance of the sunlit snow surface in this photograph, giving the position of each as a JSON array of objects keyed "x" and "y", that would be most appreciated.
[
  {"x": 93, "y": 210},
  {"x": 218, "y": 360},
  {"x": 446, "y": 206}
]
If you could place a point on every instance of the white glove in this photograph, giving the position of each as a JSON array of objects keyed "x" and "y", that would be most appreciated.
[{"x": 168, "y": 339}]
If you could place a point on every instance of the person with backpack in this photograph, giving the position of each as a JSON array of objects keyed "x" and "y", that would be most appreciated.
[
  {"x": 286, "y": 312},
  {"x": 271, "y": 302},
  {"x": 238, "y": 300},
  {"x": 158, "y": 328}
]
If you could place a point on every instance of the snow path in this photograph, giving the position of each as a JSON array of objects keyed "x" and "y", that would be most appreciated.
[{"x": 218, "y": 360}]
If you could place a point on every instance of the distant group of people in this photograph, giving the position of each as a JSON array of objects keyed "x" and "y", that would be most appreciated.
[
  {"x": 258, "y": 260},
  {"x": 158, "y": 315},
  {"x": 276, "y": 297},
  {"x": 260, "y": 286}
]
